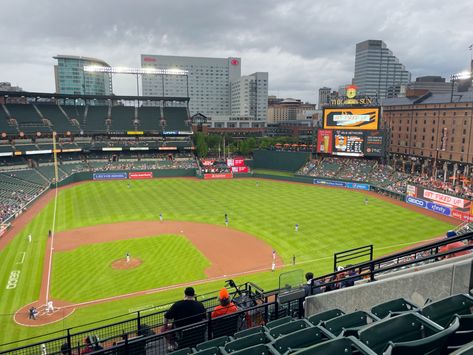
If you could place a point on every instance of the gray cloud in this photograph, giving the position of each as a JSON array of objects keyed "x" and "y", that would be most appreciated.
[{"x": 302, "y": 44}]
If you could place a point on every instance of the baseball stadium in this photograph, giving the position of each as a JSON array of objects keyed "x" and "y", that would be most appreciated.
[{"x": 112, "y": 210}]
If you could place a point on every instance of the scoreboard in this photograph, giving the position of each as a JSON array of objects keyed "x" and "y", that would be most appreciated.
[{"x": 351, "y": 143}]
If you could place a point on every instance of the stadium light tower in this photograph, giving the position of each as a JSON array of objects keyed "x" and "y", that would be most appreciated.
[{"x": 138, "y": 72}]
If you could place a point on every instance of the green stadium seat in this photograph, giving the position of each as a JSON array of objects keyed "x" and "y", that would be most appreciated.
[
  {"x": 221, "y": 341},
  {"x": 464, "y": 350},
  {"x": 245, "y": 342},
  {"x": 250, "y": 331},
  {"x": 227, "y": 325},
  {"x": 190, "y": 337},
  {"x": 443, "y": 311},
  {"x": 278, "y": 322},
  {"x": 435, "y": 344},
  {"x": 184, "y": 351},
  {"x": 348, "y": 345},
  {"x": 325, "y": 316},
  {"x": 403, "y": 328},
  {"x": 260, "y": 349},
  {"x": 464, "y": 333},
  {"x": 287, "y": 328},
  {"x": 299, "y": 339},
  {"x": 209, "y": 351},
  {"x": 393, "y": 307},
  {"x": 350, "y": 322}
]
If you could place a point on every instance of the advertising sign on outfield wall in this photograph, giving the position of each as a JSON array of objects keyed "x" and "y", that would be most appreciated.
[
  {"x": 218, "y": 176},
  {"x": 140, "y": 175},
  {"x": 239, "y": 169},
  {"x": 442, "y": 203},
  {"x": 347, "y": 185},
  {"x": 110, "y": 176}
]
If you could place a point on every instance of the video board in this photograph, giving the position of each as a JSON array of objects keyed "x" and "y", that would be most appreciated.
[
  {"x": 353, "y": 118},
  {"x": 351, "y": 143}
]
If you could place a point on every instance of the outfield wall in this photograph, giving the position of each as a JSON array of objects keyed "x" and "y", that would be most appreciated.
[
  {"x": 449, "y": 279},
  {"x": 88, "y": 175},
  {"x": 278, "y": 160}
]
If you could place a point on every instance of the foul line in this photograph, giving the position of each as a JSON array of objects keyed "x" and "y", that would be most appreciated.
[{"x": 52, "y": 244}]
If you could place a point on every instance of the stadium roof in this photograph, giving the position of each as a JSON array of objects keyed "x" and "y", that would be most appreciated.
[
  {"x": 458, "y": 97},
  {"x": 43, "y": 95}
]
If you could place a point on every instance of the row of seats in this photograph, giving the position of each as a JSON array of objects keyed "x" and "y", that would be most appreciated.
[
  {"x": 394, "y": 327},
  {"x": 44, "y": 118}
]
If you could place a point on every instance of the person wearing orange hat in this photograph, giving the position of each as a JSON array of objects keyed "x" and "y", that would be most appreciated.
[{"x": 225, "y": 306}]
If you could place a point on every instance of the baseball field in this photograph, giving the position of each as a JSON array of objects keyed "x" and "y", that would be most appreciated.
[{"x": 99, "y": 224}]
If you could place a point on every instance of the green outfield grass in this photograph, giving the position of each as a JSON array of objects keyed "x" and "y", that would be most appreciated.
[
  {"x": 92, "y": 276},
  {"x": 330, "y": 220}
]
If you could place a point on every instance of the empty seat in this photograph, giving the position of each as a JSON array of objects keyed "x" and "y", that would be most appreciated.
[
  {"x": 351, "y": 321},
  {"x": 250, "y": 331},
  {"x": 227, "y": 325},
  {"x": 464, "y": 333},
  {"x": 287, "y": 328},
  {"x": 221, "y": 341},
  {"x": 299, "y": 339},
  {"x": 315, "y": 319},
  {"x": 404, "y": 328},
  {"x": 260, "y": 349},
  {"x": 464, "y": 350},
  {"x": 209, "y": 351},
  {"x": 348, "y": 345},
  {"x": 435, "y": 344},
  {"x": 190, "y": 337},
  {"x": 279, "y": 321},
  {"x": 393, "y": 307},
  {"x": 443, "y": 311},
  {"x": 185, "y": 351},
  {"x": 245, "y": 342}
]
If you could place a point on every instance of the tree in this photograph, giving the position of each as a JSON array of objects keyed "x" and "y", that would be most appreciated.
[{"x": 201, "y": 145}]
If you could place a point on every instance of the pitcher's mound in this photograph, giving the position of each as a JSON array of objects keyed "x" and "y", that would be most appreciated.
[{"x": 122, "y": 264}]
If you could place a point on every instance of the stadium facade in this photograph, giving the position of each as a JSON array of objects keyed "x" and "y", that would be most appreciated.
[
  {"x": 71, "y": 79},
  {"x": 378, "y": 72},
  {"x": 215, "y": 87}
]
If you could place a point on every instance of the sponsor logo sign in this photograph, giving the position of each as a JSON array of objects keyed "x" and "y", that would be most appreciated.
[
  {"x": 218, "y": 176},
  {"x": 348, "y": 185},
  {"x": 110, "y": 176},
  {"x": 140, "y": 175},
  {"x": 416, "y": 201},
  {"x": 445, "y": 199},
  {"x": 239, "y": 169}
]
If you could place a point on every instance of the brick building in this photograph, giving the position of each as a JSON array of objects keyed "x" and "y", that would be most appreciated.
[{"x": 431, "y": 127}]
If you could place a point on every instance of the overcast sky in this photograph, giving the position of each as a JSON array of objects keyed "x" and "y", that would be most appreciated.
[{"x": 303, "y": 44}]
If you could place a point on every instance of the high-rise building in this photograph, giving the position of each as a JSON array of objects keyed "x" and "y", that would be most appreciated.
[
  {"x": 324, "y": 96},
  {"x": 378, "y": 73},
  {"x": 71, "y": 78},
  {"x": 207, "y": 83},
  {"x": 249, "y": 96}
]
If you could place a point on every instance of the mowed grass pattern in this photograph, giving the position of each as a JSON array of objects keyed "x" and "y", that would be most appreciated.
[
  {"x": 330, "y": 220},
  {"x": 86, "y": 274}
]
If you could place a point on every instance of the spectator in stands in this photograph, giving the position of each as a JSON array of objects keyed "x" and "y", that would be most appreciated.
[
  {"x": 226, "y": 306},
  {"x": 309, "y": 277},
  {"x": 91, "y": 344},
  {"x": 186, "y": 311},
  {"x": 453, "y": 246}
]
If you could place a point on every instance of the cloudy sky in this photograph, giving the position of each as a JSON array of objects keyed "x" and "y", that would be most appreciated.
[{"x": 303, "y": 44}]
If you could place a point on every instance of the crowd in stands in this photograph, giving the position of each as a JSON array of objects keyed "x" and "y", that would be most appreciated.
[
  {"x": 14, "y": 204},
  {"x": 384, "y": 176}
]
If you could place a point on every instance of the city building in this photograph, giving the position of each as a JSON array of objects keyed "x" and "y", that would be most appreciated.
[
  {"x": 7, "y": 86},
  {"x": 432, "y": 127},
  {"x": 207, "y": 83},
  {"x": 324, "y": 96},
  {"x": 249, "y": 96},
  {"x": 430, "y": 83},
  {"x": 71, "y": 78},
  {"x": 378, "y": 73},
  {"x": 290, "y": 110}
]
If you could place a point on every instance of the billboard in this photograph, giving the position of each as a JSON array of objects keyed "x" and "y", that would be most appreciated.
[
  {"x": 140, "y": 175},
  {"x": 374, "y": 144},
  {"x": 357, "y": 118},
  {"x": 439, "y": 202},
  {"x": 218, "y": 176},
  {"x": 240, "y": 169},
  {"x": 236, "y": 162},
  {"x": 348, "y": 185},
  {"x": 110, "y": 176},
  {"x": 348, "y": 143},
  {"x": 324, "y": 141}
]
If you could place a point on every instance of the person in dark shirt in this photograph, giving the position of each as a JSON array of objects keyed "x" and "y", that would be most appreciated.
[{"x": 186, "y": 311}]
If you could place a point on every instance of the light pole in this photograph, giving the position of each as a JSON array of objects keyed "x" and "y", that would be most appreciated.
[{"x": 459, "y": 76}]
